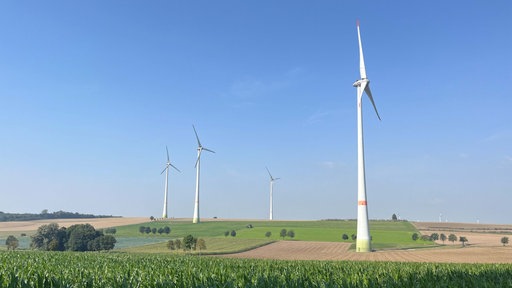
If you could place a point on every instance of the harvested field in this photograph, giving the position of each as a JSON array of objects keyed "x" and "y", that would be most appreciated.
[
  {"x": 98, "y": 223},
  {"x": 302, "y": 250}
]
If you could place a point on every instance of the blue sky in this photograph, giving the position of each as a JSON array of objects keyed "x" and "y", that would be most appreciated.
[{"x": 92, "y": 92}]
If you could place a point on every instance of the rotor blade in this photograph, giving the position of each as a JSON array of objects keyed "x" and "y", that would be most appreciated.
[
  {"x": 277, "y": 178},
  {"x": 362, "y": 69},
  {"x": 271, "y": 178},
  {"x": 208, "y": 150},
  {"x": 369, "y": 93},
  {"x": 197, "y": 137},
  {"x": 164, "y": 170},
  {"x": 175, "y": 167},
  {"x": 167, "y": 153}
]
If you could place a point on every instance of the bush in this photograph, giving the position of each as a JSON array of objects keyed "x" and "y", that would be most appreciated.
[
  {"x": 11, "y": 242},
  {"x": 233, "y": 233},
  {"x": 344, "y": 237},
  {"x": 268, "y": 234}
]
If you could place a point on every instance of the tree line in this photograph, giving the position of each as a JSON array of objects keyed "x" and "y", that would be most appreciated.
[
  {"x": 44, "y": 215},
  {"x": 154, "y": 230}
]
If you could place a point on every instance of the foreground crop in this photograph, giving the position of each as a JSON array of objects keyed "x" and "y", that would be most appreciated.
[{"x": 66, "y": 269}]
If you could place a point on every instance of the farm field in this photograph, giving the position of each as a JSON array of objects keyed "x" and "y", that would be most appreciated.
[
  {"x": 64, "y": 269},
  {"x": 314, "y": 240}
]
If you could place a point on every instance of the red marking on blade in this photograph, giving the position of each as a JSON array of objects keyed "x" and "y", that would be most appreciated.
[
  {"x": 361, "y": 203},
  {"x": 357, "y": 22}
]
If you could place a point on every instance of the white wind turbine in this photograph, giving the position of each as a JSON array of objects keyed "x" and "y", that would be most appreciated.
[
  {"x": 272, "y": 179},
  {"x": 166, "y": 170},
  {"x": 363, "y": 243},
  {"x": 200, "y": 148}
]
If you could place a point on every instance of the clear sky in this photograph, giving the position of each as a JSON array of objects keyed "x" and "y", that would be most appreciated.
[{"x": 91, "y": 92}]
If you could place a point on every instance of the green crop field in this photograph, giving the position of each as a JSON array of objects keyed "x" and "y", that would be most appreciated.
[
  {"x": 385, "y": 234},
  {"x": 67, "y": 269}
]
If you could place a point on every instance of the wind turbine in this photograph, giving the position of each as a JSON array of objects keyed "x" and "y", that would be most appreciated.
[
  {"x": 363, "y": 243},
  {"x": 272, "y": 179},
  {"x": 166, "y": 170},
  {"x": 200, "y": 148}
]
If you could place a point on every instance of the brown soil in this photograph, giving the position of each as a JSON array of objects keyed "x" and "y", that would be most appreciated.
[
  {"x": 302, "y": 250},
  {"x": 483, "y": 246}
]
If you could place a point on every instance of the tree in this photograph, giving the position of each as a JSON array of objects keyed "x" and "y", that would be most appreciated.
[
  {"x": 226, "y": 234},
  {"x": 177, "y": 243},
  {"x": 160, "y": 230},
  {"x": 153, "y": 230},
  {"x": 442, "y": 237},
  {"x": 80, "y": 235},
  {"x": 167, "y": 230},
  {"x": 12, "y": 242},
  {"x": 283, "y": 233},
  {"x": 268, "y": 234},
  {"x": 170, "y": 245},
  {"x": 233, "y": 233},
  {"x": 415, "y": 236},
  {"x": 452, "y": 238},
  {"x": 434, "y": 236},
  {"x": 504, "y": 240},
  {"x": 142, "y": 229},
  {"x": 393, "y": 217},
  {"x": 49, "y": 237},
  {"x": 344, "y": 237},
  {"x": 201, "y": 244},
  {"x": 189, "y": 242},
  {"x": 152, "y": 218},
  {"x": 354, "y": 237},
  {"x": 291, "y": 234},
  {"x": 147, "y": 230},
  {"x": 463, "y": 240}
]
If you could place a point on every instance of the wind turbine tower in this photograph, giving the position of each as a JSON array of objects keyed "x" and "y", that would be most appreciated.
[
  {"x": 200, "y": 148},
  {"x": 166, "y": 170},
  {"x": 272, "y": 179},
  {"x": 363, "y": 243}
]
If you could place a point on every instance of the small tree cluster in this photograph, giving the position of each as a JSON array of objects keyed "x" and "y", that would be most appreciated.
[
  {"x": 161, "y": 230},
  {"x": 289, "y": 233},
  {"x": 504, "y": 240},
  {"x": 192, "y": 243},
  {"x": 79, "y": 237}
]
